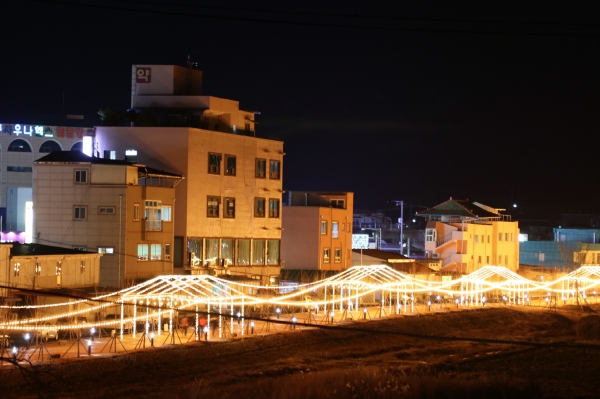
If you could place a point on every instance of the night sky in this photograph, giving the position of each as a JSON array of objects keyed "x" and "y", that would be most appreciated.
[{"x": 496, "y": 102}]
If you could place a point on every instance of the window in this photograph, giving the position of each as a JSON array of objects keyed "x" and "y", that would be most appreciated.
[
  {"x": 166, "y": 213},
  {"x": 19, "y": 145},
  {"x": 58, "y": 268},
  {"x": 337, "y": 203},
  {"x": 323, "y": 226},
  {"x": 337, "y": 255},
  {"x": 230, "y": 165},
  {"x": 155, "y": 252},
  {"x": 79, "y": 212},
  {"x": 227, "y": 247},
  {"x": 19, "y": 169},
  {"x": 243, "y": 252},
  {"x": 167, "y": 251},
  {"x": 273, "y": 208},
  {"x": 487, "y": 260},
  {"x": 106, "y": 210},
  {"x": 488, "y": 238},
  {"x": 82, "y": 267},
  {"x": 142, "y": 251},
  {"x": 476, "y": 237},
  {"x": 229, "y": 209},
  {"x": 80, "y": 248},
  {"x": 272, "y": 252},
  {"x": 334, "y": 229},
  {"x": 258, "y": 252},
  {"x": 109, "y": 154},
  {"x": 499, "y": 236},
  {"x": 17, "y": 269},
  {"x": 81, "y": 176},
  {"x": 152, "y": 215},
  {"x": 77, "y": 147},
  {"x": 479, "y": 260},
  {"x": 247, "y": 127},
  {"x": 38, "y": 269},
  {"x": 430, "y": 235},
  {"x": 195, "y": 249},
  {"x": 214, "y": 164},
  {"x": 505, "y": 236},
  {"x": 212, "y": 207},
  {"x": 274, "y": 170},
  {"x": 261, "y": 168},
  {"x": 49, "y": 146},
  {"x": 259, "y": 207},
  {"x": 325, "y": 255},
  {"x": 136, "y": 212},
  {"x": 106, "y": 250}
]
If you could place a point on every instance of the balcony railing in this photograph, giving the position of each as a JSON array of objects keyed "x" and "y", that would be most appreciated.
[{"x": 153, "y": 225}]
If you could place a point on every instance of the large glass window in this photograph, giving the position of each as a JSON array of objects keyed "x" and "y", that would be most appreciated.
[
  {"x": 195, "y": 251},
  {"x": 212, "y": 251},
  {"x": 227, "y": 251},
  {"x": 243, "y": 252},
  {"x": 272, "y": 252},
  {"x": 258, "y": 252}
]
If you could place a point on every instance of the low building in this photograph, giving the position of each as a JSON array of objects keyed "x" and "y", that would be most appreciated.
[
  {"x": 467, "y": 235},
  {"x": 120, "y": 209},
  {"x": 317, "y": 231}
]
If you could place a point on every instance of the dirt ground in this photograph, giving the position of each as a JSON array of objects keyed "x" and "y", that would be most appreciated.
[{"x": 530, "y": 345}]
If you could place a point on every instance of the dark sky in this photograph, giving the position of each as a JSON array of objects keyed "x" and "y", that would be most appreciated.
[{"x": 496, "y": 102}]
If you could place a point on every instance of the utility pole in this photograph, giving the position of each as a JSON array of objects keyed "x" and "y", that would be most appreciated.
[{"x": 401, "y": 222}]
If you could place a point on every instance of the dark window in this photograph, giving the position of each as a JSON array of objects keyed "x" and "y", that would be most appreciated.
[
  {"x": 81, "y": 176},
  {"x": 259, "y": 207},
  {"x": 261, "y": 168},
  {"x": 50, "y": 146},
  {"x": 273, "y": 208},
  {"x": 214, "y": 164},
  {"x": 19, "y": 146},
  {"x": 19, "y": 169},
  {"x": 230, "y": 165},
  {"x": 274, "y": 170},
  {"x": 229, "y": 209},
  {"x": 77, "y": 147},
  {"x": 212, "y": 207}
]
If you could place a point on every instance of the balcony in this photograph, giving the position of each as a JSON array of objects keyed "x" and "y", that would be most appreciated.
[{"x": 153, "y": 225}]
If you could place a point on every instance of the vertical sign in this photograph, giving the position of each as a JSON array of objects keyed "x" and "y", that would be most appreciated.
[{"x": 143, "y": 75}]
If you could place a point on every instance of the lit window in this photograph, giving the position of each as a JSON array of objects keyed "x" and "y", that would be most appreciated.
[
  {"x": 229, "y": 209},
  {"x": 337, "y": 255},
  {"x": 273, "y": 208},
  {"x": 430, "y": 235},
  {"x": 17, "y": 269},
  {"x": 38, "y": 269},
  {"x": 229, "y": 165},
  {"x": 166, "y": 213},
  {"x": 81, "y": 176},
  {"x": 136, "y": 212},
  {"x": 323, "y": 226},
  {"x": 212, "y": 207},
  {"x": 58, "y": 268},
  {"x": 142, "y": 252},
  {"x": 155, "y": 252},
  {"x": 106, "y": 250},
  {"x": 82, "y": 267},
  {"x": 334, "y": 229},
  {"x": 476, "y": 237},
  {"x": 167, "y": 251},
  {"x": 259, "y": 207},
  {"x": 499, "y": 236},
  {"x": 152, "y": 215},
  {"x": 80, "y": 212},
  {"x": 325, "y": 255},
  {"x": 274, "y": 170},
  {"x": 214, "y": 163},
  {"x": 261, "y": 168}
]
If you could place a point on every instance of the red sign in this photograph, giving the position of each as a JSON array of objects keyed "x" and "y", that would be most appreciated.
[{"x": 143, "y": 75}]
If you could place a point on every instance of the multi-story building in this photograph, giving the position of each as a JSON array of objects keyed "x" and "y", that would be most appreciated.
[
  {"x": 20, "y": 145},
  {"x": 317, "y": 231},
  {"x": 119, "y": 209},
  {"x": 468, "y": 235},
  {"x": 227, "y": 213}
]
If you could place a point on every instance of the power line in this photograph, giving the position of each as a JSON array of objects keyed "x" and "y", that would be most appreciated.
[{"x": 315, "y": 24}]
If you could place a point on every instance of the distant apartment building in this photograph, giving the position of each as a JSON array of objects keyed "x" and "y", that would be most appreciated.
[
  {"x": 466, "y": 236},
  {"x": 116, "y": 208},
  {"x": 317, "y": 231},
  {"x": 20, "y": 145},
  {"x": 227, "y": 210}
]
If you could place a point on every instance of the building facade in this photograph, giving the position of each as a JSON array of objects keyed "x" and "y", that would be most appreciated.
[
  {"x": 119, "y": 209},
  {"x": 227, "y": 212},
  {"x": 20, "y": 146},
  {"x": 467, "y": 235},
  {"x": 317, "y": 231}
]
